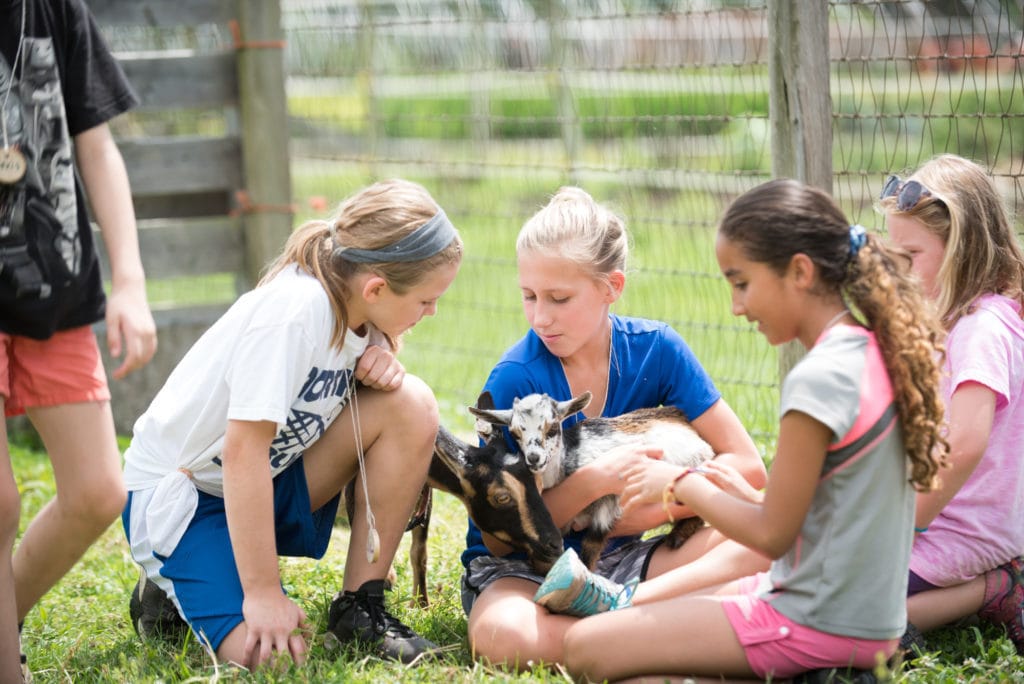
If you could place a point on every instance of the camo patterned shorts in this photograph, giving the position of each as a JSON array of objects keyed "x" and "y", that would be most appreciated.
[{"x": 621, "y": 565}]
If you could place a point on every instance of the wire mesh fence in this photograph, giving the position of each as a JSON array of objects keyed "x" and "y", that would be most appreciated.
[
  {"x": 659, "y": 108},
  {"x": 914, "y": 79}
]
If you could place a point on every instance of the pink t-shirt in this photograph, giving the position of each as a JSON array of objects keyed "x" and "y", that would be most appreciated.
[{"x": 980, "y": 528}]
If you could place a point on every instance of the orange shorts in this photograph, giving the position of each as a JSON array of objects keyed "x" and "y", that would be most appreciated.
[{"x": 65, "y": 369}]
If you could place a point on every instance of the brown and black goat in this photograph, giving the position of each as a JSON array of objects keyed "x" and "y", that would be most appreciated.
[
  {"x": 553, "y": 453},
  {"x": 500, "y": 492}
]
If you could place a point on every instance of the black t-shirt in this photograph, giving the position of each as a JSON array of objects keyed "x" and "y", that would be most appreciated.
[{"x": 65, "y": 82}]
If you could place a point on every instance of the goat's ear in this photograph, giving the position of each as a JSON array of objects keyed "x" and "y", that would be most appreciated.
[
  {"x": 571, "y": 406},
  {"x": 485, "y": 400},
  {"x": 484, "y": 429},
  {"x": 450, "y": 450},
  {"x": 492, "y": 415}
]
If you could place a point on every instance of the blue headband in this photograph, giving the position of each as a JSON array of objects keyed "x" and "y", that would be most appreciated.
[
  {"x": 422, "y": 243},
  {"x": 858, "y": 236}
]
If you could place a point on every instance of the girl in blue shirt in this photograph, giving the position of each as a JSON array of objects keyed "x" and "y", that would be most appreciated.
[{"x": 571, "y": 263}]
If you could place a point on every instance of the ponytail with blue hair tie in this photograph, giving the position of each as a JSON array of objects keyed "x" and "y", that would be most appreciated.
[{"x": 858, "y": 236}]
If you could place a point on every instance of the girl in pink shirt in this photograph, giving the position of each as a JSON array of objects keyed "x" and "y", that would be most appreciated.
[{"x": 967, "y": 552}]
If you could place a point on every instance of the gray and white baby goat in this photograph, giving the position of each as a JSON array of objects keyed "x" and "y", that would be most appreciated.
[{"x": 535, "y": 422}]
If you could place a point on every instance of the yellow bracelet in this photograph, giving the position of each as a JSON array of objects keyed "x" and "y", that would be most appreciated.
[{"x": 670, "y": 492}]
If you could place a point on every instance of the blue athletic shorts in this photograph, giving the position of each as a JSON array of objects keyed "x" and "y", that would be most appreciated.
[{"x": 200, "y": 575}]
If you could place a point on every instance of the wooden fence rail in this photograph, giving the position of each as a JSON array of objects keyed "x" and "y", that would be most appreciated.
[{"x": 205, "y": 204}]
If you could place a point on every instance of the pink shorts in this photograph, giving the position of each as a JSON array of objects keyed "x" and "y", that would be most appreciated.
[
  {"x": 65, "y": 369},
  {"x": 780, "y": 648}
]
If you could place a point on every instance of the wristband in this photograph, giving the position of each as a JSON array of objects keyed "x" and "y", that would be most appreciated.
[
  {"x": 669, "y": 491},
  {"x": 921, "y": 530}
]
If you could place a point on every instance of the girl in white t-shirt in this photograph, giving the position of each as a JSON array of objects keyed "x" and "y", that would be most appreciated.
[
  {"x": 295, "y": 391},
  {"x": 967, "y": 554}
]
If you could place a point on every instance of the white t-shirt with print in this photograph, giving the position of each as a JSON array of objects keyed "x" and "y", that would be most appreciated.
[{"x": 268, "y": 358}]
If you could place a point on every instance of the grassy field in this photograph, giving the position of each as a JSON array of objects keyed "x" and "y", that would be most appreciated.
[{"x": 80, "y": 632}]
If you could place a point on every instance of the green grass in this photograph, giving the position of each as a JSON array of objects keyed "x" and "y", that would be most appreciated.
[
  {"x": 926, "y": 113},
  {"x": 80, "y": 631},
  {"x": 524, "y": 105}
]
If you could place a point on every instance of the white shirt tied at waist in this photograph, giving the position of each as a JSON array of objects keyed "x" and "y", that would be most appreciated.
[{"x": 170, "y": 510}]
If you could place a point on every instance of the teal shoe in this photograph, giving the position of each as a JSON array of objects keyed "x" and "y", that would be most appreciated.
[{"x": 571, "y": 589}]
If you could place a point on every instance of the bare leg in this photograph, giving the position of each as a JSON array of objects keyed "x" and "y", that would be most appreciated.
[
  {"x": 10, "y": 509},
  {"x": 398, "y": 430},
  {"x": 506, "y": 628},
  {"x": 706, "y": 559},
  {"x": 686, "y": 635},
  {"x": 232, "y": 650},
  {"x": 938, "y": 607},
  {"x": 82, "y": 446}
]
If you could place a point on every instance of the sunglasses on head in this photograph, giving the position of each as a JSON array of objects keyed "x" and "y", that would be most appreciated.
[{"x": 907, "y": 194}]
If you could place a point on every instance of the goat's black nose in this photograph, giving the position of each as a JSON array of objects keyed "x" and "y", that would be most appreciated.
[{"x": 552, "y": 550}]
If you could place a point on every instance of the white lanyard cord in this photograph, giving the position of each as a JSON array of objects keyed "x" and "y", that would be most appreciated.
[{"x": 372, "y": 538}]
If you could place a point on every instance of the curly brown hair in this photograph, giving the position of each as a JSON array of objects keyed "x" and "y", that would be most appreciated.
[
  {"x": 781, "y": 218},
  {"x": 910, "y": 337}
]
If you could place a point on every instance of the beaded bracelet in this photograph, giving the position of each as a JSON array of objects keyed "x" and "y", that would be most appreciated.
[{"x": 669, "y": 491}]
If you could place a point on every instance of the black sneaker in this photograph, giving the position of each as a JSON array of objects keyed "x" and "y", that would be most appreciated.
[
  {"x": 360, "y": 616},
  {"x": 153, "y": 613},
  {"x": 912, "y": 643}
]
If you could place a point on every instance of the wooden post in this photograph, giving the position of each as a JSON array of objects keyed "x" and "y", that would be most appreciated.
[
  {"x": 800, "y": 106},
  {"x": 264, "y": 119}
]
